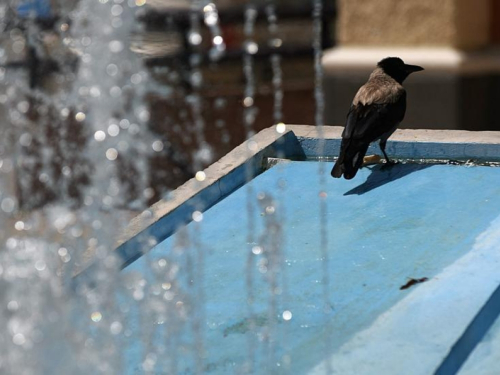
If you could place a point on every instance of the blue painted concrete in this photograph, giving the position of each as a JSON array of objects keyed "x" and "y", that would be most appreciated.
[
  {"x": 474, "y": 334},
  {"x": 486, "y": 358},
  {"x": 411, "y": 150},
  {"x": 383, "y": 227},
  {"x": 429, "y": 324}
]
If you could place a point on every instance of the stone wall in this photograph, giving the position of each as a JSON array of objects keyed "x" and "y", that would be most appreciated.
[{"x": 452, "y": 23}]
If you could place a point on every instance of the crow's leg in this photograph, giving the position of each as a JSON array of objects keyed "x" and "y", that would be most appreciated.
[{"x": 382, "y": 145}]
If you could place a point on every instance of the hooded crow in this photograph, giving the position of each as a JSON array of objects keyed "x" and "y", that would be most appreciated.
[{"x": 376, "y": 111}]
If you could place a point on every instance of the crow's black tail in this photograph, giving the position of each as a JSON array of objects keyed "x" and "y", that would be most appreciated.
[{"x": 350, "y": 159}]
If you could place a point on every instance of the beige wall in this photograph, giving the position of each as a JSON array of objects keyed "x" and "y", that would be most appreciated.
[{"x": 453, "y": 23}]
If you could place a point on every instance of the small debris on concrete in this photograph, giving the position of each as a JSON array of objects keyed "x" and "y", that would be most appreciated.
[{"x": 412, "y": 282}]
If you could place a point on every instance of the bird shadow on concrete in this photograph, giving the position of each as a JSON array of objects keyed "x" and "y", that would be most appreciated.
[{"x": 383, "y": 174}]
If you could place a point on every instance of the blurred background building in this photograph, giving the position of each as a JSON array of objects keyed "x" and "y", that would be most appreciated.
[{"x": 455, "y": 40}]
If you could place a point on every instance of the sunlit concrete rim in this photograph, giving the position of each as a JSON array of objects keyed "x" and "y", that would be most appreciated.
[
  {"x": 166, "y": 216},
  {"x": 409, "y": 143},
  {"x": 248, "y": 160},
  {"x": 434, "y": 59}
]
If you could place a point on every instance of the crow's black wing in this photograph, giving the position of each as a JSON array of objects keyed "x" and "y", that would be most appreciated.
[{"x": 369, "y": 122}]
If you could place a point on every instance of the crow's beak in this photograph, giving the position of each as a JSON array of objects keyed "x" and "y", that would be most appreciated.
[{"x": 413, "y": 68}]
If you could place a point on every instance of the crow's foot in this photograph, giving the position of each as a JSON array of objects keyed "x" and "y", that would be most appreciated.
[
  {"x": 371, "y": 159},
  {"x": 389, "y": 164}
]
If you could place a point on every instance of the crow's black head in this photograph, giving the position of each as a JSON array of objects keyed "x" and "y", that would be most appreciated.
[{"x": 397, "y": 69}]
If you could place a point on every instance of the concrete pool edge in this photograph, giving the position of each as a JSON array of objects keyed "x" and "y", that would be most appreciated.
[
  {"x": 409, "y": 143},
  {"x": 220, "y": 179},
  {"x": 248, "y": 160}
]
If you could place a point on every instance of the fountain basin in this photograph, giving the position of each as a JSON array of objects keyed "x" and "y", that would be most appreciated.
[{"x": 408, "y": 283}]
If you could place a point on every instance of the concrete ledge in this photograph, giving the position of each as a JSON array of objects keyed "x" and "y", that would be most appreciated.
[
  {"x": 407, "y": 135},
  {"x": 433, "y": 59},
  {"x": 222, "y": 178},
  {"x": 410, "y": 143},
  {"x": 248, "y": 160}
]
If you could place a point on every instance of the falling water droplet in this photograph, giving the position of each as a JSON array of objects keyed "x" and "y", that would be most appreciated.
[
  {"x": 112, "y": 69},
  {"x": 8, "y": 205},
  {"x": 62, "y": 251},
  {"x": 111, "y": 154},
  {"x": 40, "y": 265},
  {"x": 113, "y": 130},
  {"x": 248, "y": 101},
  {"x": 86, "y": 41},
  {"x": 197, "y": 216},
  {"x": 251, "y": 47},
  {"x": 252, "y": 145},
  {"x": 195, "y": 38},
  {"x": 116, "y": 10},
  {"x": 115, "y": 328},
  {"x": 281, "y": 128},
  {"x": 218, "y": 40},
  {"x": 80, "y": 116},
  {"x": 25, "y": 139},
  {"x": 115, "y": 46},
  {"x": 257, "y": 250},
  {"x": 158, "y": 146},
  {"x": 19, "y": 339},
  {"x": 99, "y": 136},
  {"x": 200, "y": 176},
  {"x": 23, "y": 106},
  {"x": 96, "y": 316}
]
